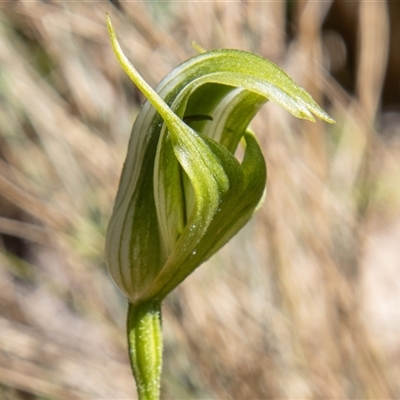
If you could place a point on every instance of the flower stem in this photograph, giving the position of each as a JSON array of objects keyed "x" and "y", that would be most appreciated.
[{"x": 145, "y": 347}]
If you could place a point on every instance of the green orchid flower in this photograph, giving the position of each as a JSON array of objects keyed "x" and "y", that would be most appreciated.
[{"x": 183, "y": 194}]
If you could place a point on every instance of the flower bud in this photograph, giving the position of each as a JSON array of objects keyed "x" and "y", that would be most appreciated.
[{"x": 183, "y": 194}]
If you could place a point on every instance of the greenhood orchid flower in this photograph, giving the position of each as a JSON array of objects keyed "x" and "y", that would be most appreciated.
[{"x": 183, "y": 194}]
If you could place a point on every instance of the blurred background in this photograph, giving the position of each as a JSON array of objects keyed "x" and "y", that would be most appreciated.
[{"x": 303, "y": 303}]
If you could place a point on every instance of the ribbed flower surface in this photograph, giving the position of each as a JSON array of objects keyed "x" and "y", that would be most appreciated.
[{"x": 183, "y": 194}]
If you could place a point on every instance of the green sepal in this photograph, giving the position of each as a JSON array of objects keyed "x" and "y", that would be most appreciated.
[{"x": 182, "y": 193}]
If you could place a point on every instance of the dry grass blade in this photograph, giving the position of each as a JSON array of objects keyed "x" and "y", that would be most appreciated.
[{"x": 48, "y": 367}]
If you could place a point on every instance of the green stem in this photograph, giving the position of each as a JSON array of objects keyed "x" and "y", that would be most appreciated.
[{"x": 145, "y": 347}]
